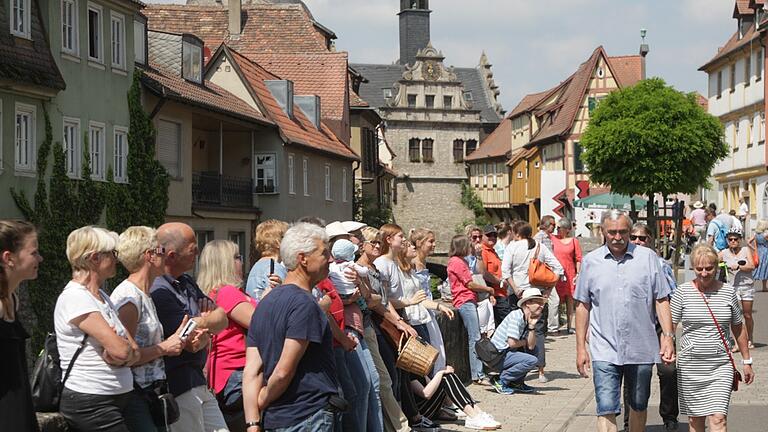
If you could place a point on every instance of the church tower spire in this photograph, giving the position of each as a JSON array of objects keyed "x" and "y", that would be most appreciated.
[{"x": 414, "y": 29}]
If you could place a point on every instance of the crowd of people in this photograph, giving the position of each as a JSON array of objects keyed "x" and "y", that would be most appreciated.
[{"x": 303, "y": 341}]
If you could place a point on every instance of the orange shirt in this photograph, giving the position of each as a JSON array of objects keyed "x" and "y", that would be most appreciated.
[{"x": 493, "y": 265}]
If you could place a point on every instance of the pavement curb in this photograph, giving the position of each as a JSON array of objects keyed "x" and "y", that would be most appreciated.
[{"x": 566, "y": 416}]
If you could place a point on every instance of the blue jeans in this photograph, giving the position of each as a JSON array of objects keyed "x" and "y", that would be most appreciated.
[
  {"x": 516, "y": 366},
  {"x": 322, "y": 421},
  {"x": 468, "y": 312},
  {"x": 367, "y": 404},
  {"x": 607, "y": 378},
  {"x": 348, "y": 390},
  {"x": 137, "y": 415}
]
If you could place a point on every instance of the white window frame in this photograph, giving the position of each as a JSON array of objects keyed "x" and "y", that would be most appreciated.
[
  {"x": 344, "y": 185},
  {"x": 328, "y": 182},
  {"x": 291, "y": 175},
  {"x": 305, "y": 174},
  {"x": 74, "y": 26},
  {"x": 115, "y": 17},
  {"x": 27, "y": 165},
  {"x": 72, "y": 155},
  {"x": 257, "y": 166},
  {"x": 140, "y": 41},
  {"x": 100, "y": 36},
  {"x": 193, "y": 49},
  {"x": 26, "y": 19},
  {"x": 96, "y": 150},
  {"x": 120, "y": 175}
]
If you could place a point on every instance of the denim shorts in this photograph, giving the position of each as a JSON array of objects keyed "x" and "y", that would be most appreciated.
[{"x": 607, "y": 378}]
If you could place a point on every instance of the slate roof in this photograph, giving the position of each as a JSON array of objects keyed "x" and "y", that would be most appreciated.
[
  {"x": 321, "y": 74},
  {"x": 733, "y": 44},
  {"x": 28, "y": 62},
  {"x": 298, "y": 130},
  {"x": 385, "y": 76},
  {"x": 497, "y": 144},
  {"x": 266, "y": 28},
  {"x": 210, "y": 97}
]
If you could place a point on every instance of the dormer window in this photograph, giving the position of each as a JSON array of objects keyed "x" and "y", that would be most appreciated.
[
  {"x": 468, "y": 96},
  {"x": 20, "y": 18},
  {"x": 192, "y": 61},
  {"x": 387, "y": 92}
]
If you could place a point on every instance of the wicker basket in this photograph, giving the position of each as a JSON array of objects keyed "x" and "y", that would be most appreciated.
[{"x": 415, "y": 356}]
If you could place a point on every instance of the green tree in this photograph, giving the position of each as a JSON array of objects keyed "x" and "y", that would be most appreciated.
[
  {"x": 60, "y": 206},
  {"x": 144, "y": 200},
  {"x": 651, "y": 138},
  {"x": 473, "y": 202},
  {"x": 368, "y": 211}
]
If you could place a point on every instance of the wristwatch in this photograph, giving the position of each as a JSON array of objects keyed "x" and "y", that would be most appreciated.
[
  {"x": 259, "y": 424},
  {"x": 669, "y": 335},
  {"x": 746, "y": 361},
  {"x": 531, "y": 329}
]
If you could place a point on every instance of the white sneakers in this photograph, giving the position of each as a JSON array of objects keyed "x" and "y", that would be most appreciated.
[{"x": 481, "y": 421}]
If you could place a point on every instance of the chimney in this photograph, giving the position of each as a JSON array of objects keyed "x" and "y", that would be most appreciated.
[
  {"x": 282, "y": 91},
  {"x": 310, "y": 105},
  {"x": 235, "y": 21},
  {"x": 414, "y": 29},
  {"x": 643, "y": 52}
]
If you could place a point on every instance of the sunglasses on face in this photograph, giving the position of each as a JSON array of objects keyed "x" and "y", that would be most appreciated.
[
  {"x": 642, "y": 238},
  {"x": 476, "y": 237},
  {"x": 159, "y": 251},
  {"x": 733, "y": 239}
]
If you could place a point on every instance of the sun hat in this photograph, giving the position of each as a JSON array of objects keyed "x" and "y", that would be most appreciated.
[
  {"x": 528, "y": 295},
  {"x": 352, "y": 226},
  {"x": 698, "y": 205},
  {"x": 335, "y": 229},
  {"x": 344, "y": 250}
]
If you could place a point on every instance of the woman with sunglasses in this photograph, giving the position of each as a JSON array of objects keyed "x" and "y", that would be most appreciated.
[
  {"x": 668, "y": 406},
  {"x": 567, "y": 250},
  {"x": 140, "y": 254},
  {"x": 708, "y": 310},
  {"x": 738, "y": 260},
  {"x": 221, "y": 278}
]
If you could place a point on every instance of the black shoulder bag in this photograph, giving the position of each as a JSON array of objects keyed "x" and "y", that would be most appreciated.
[{"x": 47, "y": 382}]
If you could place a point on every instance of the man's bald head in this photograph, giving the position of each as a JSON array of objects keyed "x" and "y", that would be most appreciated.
[{"x": 175, "y": 235}]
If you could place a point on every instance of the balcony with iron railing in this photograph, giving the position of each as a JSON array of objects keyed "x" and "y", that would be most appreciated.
[{"x": 217, "y": 190}]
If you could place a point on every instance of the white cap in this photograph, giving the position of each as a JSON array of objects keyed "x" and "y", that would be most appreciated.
[
  {"x": 352, "y": 226},
  {"x": 335, "y": 229}
]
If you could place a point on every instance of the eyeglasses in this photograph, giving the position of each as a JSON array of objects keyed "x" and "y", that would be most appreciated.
[
  {"x": 238, "y": 257},
  {"x": 374, "y": 243},
  {"x": 477, "y": 237},
  {"x": 733, "y": 239},
  {"x": 642, "y": 238},
  {"x": 159, "y": 251}
]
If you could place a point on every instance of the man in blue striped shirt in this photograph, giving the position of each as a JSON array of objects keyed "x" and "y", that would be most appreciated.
[{"x": 516, "y": 338}]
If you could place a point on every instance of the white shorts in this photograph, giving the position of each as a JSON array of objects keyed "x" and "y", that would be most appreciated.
[{"x": 746, "y": 293}]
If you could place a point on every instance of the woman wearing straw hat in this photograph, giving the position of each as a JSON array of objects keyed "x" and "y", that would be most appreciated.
[{"x": 698, "y": 219}]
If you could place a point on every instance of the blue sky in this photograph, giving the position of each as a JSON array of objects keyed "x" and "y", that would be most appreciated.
[{"x": 534, "y": 44}]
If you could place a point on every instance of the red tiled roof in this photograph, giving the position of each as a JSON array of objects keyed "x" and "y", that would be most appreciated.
[
  {"x": 495, "y": 145},
  {"x": 355, "y": 100},
  {"x": 530, "y": 101},
  {"x": 210, "y": 96},
  {"x": 297, "y": 130},
  {"x": 742, "y": 7},
  {"x": 266, "y": 28},
  {"x": 628, "y": 70},
  {"x": 321, "y": 74},
  {"x": 733, "y": 44},
  {"x": 702, "y": 101}
]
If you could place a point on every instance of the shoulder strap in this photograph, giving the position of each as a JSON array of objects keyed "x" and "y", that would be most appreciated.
[
  {"x": 717, "y": 325},
  {"x": 72, "y": 362}
]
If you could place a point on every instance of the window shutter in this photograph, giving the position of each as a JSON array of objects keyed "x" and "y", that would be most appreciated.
[{"x": 168, "y": 146}]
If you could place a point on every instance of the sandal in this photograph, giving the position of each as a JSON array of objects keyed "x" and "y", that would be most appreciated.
[{"x": 751, "y": 345}]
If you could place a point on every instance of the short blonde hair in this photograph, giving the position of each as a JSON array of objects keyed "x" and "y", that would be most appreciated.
[
  {"x": 267, "y": 236},
  {"x": 217, "y": 265},
  {"x": 762, "y": 226},
  {"x": 83, "y": 242},
  {"x": 134, "y": 242},
  {"x": 370, "y": 234},
  {"x": 704, "y": 251}
]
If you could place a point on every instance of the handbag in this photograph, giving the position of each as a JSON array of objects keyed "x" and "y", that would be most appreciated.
[
  {"x": 489, "y": 354},
  {"x": 755, "y": 256},
  {"x": 736, "y": 374},
  {"x": 162, "y": 405},
  {"x": 47, "y": 382},
  {"x": 415, "y": 355},
  {"x": 539, "y": 273},
  {"x": 391, "y": 333}
]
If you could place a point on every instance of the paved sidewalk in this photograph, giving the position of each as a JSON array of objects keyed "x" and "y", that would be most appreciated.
[{"x": 566, "y": 403}]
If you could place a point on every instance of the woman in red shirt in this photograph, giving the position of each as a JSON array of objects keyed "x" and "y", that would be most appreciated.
[{"x": 465, "y": 299}]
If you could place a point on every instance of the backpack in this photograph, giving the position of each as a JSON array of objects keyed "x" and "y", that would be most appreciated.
[
  {"x": 47, "y": 381},
  {"x": 721, "y": 241}
]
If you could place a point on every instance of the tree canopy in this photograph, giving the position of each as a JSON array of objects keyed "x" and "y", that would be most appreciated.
[{"x": 651, "y": 138}]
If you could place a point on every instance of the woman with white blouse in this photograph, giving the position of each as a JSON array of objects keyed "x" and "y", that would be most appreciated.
[{"x": 99, "y": 386}]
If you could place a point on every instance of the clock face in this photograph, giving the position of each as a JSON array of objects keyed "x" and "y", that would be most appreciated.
[{"x": 431, "y": 71}]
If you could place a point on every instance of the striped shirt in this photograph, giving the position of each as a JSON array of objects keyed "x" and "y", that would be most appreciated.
[{"x": 513, "y": 327}]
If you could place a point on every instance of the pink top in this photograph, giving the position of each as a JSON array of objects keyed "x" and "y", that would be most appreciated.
[
  {"x": 459, "y": 277},
  {"x": 697, "y": 217},
  {"x": 227, "y": 352},
  {"x": 567, "y": 255}
]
